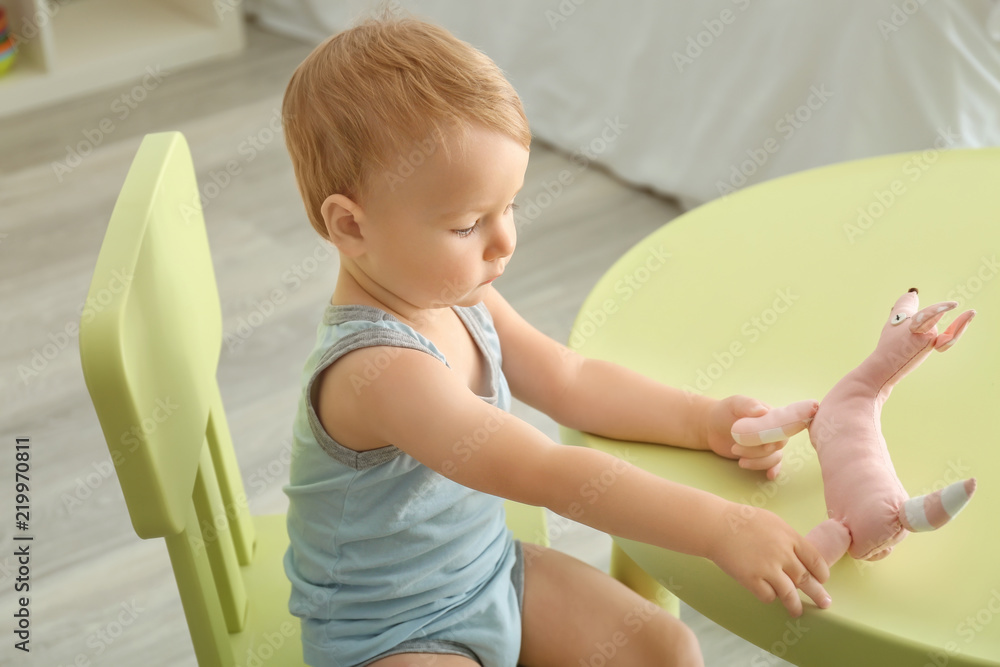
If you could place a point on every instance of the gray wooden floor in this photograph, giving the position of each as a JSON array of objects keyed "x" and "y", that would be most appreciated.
[{"x": 100, "y": 595}]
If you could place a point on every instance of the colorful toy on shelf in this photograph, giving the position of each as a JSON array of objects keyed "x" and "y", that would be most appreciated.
[
  {"x": 8, "y": 48},
  {"x": 869, "y": 510}
]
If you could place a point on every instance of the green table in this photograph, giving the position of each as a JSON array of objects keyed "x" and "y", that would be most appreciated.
[{"x": 776, "y": 292}]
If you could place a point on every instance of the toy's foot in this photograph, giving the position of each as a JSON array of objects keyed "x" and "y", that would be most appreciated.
[{"x": 933, "y": 510}]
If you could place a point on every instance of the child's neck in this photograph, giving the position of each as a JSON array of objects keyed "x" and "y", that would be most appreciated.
[{"x": 356, "y": 290}]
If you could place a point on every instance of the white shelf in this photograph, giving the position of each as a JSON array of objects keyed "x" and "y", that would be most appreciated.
[{"x": 79, "y": 46}]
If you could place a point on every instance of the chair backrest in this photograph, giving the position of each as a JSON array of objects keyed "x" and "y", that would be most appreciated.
[{"x": 150, "y": 339}]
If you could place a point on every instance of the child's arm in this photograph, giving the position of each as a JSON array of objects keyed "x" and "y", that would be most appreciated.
[
  {"x": 424, "y": 409},
  {"x": 615, "y": 402}
]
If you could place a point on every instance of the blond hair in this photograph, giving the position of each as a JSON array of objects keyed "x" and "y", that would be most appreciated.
[{"x": 379, "y": 97}]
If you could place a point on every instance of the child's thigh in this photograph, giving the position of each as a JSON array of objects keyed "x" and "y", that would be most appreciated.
[
  {"x": 424, "y": 660},
  {"x": 577, "y": 616}
]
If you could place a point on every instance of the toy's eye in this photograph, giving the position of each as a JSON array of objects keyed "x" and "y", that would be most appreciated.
[{"x": 897, "y": 318}]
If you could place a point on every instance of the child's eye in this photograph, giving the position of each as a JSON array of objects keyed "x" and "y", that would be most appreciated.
[{"x": 467, "y": 230}]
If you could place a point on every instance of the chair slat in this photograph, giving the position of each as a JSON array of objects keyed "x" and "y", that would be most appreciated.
[
  {"x": 199, "y": 596},
  {"x": 234, "y": 497},
  {"x": 217, "y": 542}
]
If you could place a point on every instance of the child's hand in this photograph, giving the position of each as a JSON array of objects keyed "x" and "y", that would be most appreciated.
[
  {"x": 720, "y": 438},
  {"x": 768, "y": 557}
]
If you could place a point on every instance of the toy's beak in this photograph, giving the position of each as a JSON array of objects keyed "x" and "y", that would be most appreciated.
[
  {"x": 954, "y": 331},
  {"x": 924, "y": 320}
]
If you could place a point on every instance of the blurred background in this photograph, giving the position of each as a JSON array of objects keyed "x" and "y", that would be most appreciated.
[{"x": 640, "y": 110}]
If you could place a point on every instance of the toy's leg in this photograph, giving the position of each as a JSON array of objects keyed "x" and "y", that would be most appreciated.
[{"x": 831, "y": 538}]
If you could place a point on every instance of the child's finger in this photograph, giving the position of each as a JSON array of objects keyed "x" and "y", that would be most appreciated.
[
  {"x": 758, "y": 451},
  {"x": 814, "y": 590},
  {"x": 762, "y": 590},
  {"x": 787, "y": 593},
  {"x": 745, "y": 406},
  {"x": 812, "y": 559},
  {"x": 762, "y": 463}
]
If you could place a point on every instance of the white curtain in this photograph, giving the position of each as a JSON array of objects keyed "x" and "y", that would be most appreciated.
[{"x": 697, "y": 99}]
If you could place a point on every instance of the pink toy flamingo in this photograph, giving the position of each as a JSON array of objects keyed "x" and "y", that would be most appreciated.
[{"x": 869, "y": 509}]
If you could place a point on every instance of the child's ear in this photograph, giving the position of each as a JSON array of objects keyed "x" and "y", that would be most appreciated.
[{"x": 344, "y": 219}]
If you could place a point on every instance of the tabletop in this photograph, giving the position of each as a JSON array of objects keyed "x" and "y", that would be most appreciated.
[{"x": 776, "y": 292}]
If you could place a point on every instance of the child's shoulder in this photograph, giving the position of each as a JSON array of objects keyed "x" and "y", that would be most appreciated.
[
  {"x": 347, "y": 392},
  {"x": 375, "y": 371}
]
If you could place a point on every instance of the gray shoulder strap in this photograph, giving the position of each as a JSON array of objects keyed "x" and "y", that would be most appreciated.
[{"x": 370, "y": 337}]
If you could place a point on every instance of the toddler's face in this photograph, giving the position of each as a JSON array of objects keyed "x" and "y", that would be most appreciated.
[{"x": 438, "y": 236}]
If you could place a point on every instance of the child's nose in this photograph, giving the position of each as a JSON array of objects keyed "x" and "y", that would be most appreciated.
[{"x": 503, "y": 240}]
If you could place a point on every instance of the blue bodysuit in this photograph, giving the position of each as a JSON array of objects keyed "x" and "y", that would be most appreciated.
[{"x": 387, "y": 556}]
